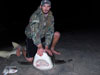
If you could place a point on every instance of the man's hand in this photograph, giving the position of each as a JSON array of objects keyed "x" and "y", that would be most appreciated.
[
  {"x": 40, "y": 51},
  {"x": 48, "y": 51}
]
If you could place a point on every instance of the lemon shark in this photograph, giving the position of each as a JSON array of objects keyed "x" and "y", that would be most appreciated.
[
  {"x": 44, "y": 62},
  {"x": 7, "y": 54}
]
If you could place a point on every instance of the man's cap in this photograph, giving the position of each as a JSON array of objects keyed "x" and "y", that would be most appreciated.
[{"x": 45, "y": 2}]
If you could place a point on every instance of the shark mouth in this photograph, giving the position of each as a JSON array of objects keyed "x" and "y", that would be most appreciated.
[{"x": 42, "y": 63}]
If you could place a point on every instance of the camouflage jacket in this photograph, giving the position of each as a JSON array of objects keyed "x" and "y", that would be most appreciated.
[{"x": 40, "y": 26}]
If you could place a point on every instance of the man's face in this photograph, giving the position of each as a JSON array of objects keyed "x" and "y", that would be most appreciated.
[{"x": 45, "y": 8}]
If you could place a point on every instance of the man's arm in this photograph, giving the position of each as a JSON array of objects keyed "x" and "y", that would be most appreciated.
[
  {"x": 34, "y": 26},
  {"x": 49, "y": 34}
]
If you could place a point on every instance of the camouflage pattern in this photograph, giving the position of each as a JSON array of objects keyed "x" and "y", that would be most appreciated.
[{"x": 40, "y": 26}]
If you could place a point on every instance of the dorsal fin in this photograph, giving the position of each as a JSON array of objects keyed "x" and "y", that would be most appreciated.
[{"x": 15, "y": 45}]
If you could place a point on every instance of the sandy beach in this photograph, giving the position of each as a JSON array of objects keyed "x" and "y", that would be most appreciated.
[{"x": 81, "y": 48}]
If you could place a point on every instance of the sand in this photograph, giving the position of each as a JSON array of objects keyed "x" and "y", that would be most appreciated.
[{"x": 80, "y": 51}]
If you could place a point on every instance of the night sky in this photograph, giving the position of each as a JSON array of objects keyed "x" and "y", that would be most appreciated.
[{"x": 70, "y": 16}]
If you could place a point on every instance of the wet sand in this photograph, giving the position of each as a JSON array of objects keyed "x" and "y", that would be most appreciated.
[{"x": 81, "y": 48}]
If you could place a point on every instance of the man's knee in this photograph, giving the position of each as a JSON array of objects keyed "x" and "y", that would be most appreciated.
[{"x": 57, "y": 34}]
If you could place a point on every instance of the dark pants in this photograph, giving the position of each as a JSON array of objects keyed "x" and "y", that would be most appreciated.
[{"x": 31, "y": 48}]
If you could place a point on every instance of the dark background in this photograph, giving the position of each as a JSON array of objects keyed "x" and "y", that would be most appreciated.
[{"x": 70, "y": 16}]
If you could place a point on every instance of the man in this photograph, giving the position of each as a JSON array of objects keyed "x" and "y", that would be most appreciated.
[{"x": 40, "y": 33}]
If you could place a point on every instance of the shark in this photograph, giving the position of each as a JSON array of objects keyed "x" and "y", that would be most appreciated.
[
  {"x": 7, "y": 54},
  {"x": 44, "y": 62}
]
